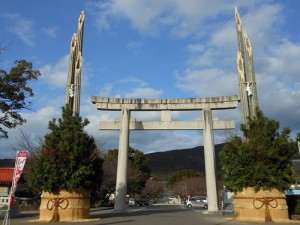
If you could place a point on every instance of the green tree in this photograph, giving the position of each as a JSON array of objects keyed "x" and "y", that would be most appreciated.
[
  {"x": 181, "y": 175},
  {"x": 296, "y": 170},
  {"x": 262, "y": 159},
  {"x": 296, "y": 146},
  {"x": 69, "y": 159},
  {"x": 15, "y": 94},
  {"x": 138, "y": 171}
]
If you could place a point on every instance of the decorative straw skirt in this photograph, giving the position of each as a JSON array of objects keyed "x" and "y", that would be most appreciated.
[
  {"x": 65, "y": 206},
  {"x": 261, "y": 206}
]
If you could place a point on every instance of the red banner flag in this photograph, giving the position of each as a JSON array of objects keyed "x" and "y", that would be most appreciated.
[{"x": 19, "y": 166}]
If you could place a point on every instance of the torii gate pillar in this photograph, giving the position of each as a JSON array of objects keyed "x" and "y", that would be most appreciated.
[
  {"x": 121, "y": 182},
  {"x": 210, "y": 163}
]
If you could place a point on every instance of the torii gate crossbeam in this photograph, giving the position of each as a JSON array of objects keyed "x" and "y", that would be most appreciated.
[
  {"x": 175, "y": 104},
  {"x": 167, "y": 125}
]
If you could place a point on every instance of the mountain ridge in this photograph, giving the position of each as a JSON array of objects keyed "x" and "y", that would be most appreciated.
[{"x": 168, "y": 162}]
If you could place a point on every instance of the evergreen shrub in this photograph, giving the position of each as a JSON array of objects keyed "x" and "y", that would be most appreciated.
[
  {"x": 261, "y": 159},
  {"x": 69, "y": 159}
]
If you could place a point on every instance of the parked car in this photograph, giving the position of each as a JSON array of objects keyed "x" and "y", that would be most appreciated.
[
  {"x": 196, "y": 202},
  {"x": 144, "y": 202},
  {"x": 202, "y": 198},
  {"x": 132, "y": 202}
]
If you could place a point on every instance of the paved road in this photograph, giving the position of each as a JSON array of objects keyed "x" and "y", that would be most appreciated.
[{"x": 152, "y": 215}]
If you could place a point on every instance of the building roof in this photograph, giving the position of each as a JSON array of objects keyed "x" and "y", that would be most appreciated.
[
  {"x": 6, "y": 174},
  {"x": 7, "y": 163}
]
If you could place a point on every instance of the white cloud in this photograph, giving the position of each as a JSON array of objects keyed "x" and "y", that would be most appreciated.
[
  {"x": 103, "y": 11},
  {"x": 106, "y": 90},
  {"x": 262, "y": 23},
  {"x": 283, "y": 62},
  {"x": 134, "y": 45},
  {"x": 50, "y": 31},
  {"x": 221, "y": 46},
  {"x": 143, "y": 93},
  {"x": 278, "y": 95},
  {"x": 134, "y": 80},
  {"x": 22, "y": 27},
  {"x": 282, "y": 105},
  {"x": 207, "y": 83},
  {"x": 195, "y": 48},
  {"x": 37, "y": 124},
  {"x": 135, "y": 88},
  {"x": 224, "y": 36},
  {"x": 178, "y": 18},
  {"x": 146, "y": 115},
  {"x": 155, "y": 141},
  {"x": 105, "y": 139},
  {"x": 56, "y": 74},
  {"x": 206, "y": 59}
]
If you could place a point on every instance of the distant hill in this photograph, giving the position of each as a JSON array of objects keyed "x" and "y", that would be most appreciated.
[
  {"x": 165, "y": 163},
  {"x": 168, "y": 162}
]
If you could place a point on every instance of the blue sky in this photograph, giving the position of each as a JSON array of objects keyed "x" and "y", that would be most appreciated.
[{"x": 153, "y": 49}]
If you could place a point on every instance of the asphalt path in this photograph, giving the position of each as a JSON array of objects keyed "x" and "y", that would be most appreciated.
[{"x": 148, "y": 215}]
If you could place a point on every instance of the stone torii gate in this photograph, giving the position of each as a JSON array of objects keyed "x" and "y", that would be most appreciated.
[{"x": 166, "y": 106}]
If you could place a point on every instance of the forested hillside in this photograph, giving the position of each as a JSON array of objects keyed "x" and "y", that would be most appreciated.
[{"x": 165, "y": 163}]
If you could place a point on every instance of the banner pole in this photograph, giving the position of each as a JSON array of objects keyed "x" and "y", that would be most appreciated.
[{"x": 19, "y": 165}]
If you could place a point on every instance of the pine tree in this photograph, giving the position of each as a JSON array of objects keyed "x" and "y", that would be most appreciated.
[
  {"x": 69, "y": 159},
  {"x": 262, "y": 159}
]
